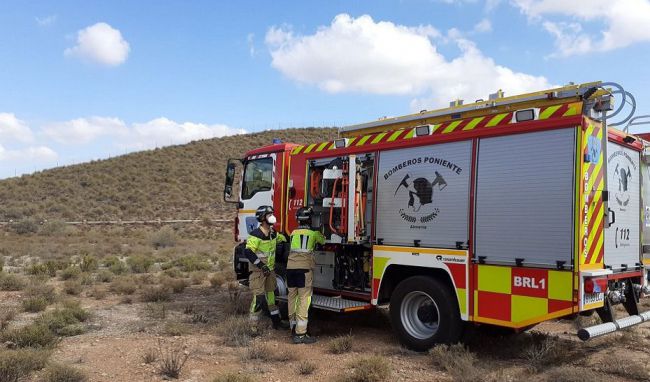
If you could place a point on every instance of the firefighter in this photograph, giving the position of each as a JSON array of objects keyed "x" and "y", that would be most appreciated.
[
  {"x": 300, "y": 274},
  {"x": 260, "y": 251}
]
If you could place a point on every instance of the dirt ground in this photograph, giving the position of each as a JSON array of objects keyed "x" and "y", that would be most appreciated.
[{"x": 123, "y": 329}]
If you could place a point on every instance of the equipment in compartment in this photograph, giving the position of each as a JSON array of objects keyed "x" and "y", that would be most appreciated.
[
  {"x": 340, "y": 192},
  {"x": 352, "y": 269}
]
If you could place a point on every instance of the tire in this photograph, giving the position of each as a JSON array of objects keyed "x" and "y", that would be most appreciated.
[{"x": 424, "y": 312}]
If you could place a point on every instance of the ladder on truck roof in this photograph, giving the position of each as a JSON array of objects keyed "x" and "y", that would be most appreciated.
[
  {"x": 334, "y": 303},
  {"x": 495, "y": 104}
]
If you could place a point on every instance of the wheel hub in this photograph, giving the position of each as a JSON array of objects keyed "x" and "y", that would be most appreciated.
[{"x": 420, "y": 315}]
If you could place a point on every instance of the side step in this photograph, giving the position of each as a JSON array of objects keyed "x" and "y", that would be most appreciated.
[
  {"x": 610, "y": 327},
  {"x": 334, "y": 304}
]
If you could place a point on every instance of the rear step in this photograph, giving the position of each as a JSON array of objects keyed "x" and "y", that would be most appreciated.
[
  {"x": 610, "y": 327},
  {"x": 334, "y": 304}
]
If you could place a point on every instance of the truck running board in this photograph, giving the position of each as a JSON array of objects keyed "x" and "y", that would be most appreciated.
[
  {"x": 334, "y": 304},
  {"x": 610, "y": 327}
]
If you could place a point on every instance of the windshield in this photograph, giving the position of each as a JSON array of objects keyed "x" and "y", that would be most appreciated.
[{"x": 258, "y": 177}]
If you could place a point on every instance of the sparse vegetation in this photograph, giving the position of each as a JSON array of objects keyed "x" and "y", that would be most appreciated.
[
  {"x": 171, "y": 359},
  {"x": 341, "y": 344},
  {"x": 165, "y": 237},
  {"x": 155, "y": 294},
  {"x": 72, "y": 287},
  {"x": 66, "y": 320},
  {"x": 233, "y": 377},
  {"x": 258, "y": 351},
  {"x": 6, "y": 316},
  {"x": 34, "y": 335},
  {"x": 235, "y": 331},
  {"x": 34, "y": 304},
  {"x": 63, "y": 373},
  {"x": 11, "y": 282},
  {"x": 150, "y": 356},
  {"x": 306, "y": 368},
  {"x": 70, "y": 273},
  {"x": 123, "y": 285},
  {"x": 176, "y": 329},
  {"x": 139, "y": 263},
  {"x": 371, "y": 369},
  {"x": 16, "y": 365},
  {"x": 458, "y": 362}
]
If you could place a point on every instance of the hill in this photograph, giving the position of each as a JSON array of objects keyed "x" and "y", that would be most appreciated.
[{"x": 176, "y": 182}]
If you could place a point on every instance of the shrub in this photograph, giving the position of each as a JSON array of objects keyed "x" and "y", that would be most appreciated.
[
  {"x": 173, "y": 272},
  {"x": 341, "y": 344},
  {"x": 6, "y": 316},
  {"x": 175, "y": 285},
  {"x": 86, "y": 279},
  {"x": 34, "y": 304},
  {"x": 156, "y": 310},
  {"x": 104, "y": 276},
  {"x": 192, "y": 263},
  {"x": 2, "y": 264},
  {"x": 72, "y": 287},
  {"x": 457, "y": 361},
  {"x": 139, "y": 263},
  {"x": 63, "y": 373},
  {"x": 155, "y": 294},
  {"x": 573, "y": 374},
  {"x": 70, "y": 273},
  {"x": 171, "y": 360},
  {"x": 17, "y": 365},
  {"x": 33, "y": 335},
  {"x": 371, "y": 369},
  {"x": 233, "y": 377},
  {"x": 306, "y": 368},
  {"x": 11, "y": 282},
  {"x": 264, "y": 352},
  {"x": 98, "y": 293},
  {"x": 197, "y": 277},
  {"x": 123, "y": 285},
  {"x": 88, "y": 263},
  {"x": 175, "y": 329},
  {"x": 40, "y": 289},
  {"x": 235, "y": 331},
  {"x": 53, "y": 228},
  {"x": 163, "y": 238},
  {"x": 218, "y": 279},
  {"x": 25, "y": 226},
  {"x": 65, "y": 321},
  {"x": 150, "y": 356},
  {"x": 39, "y": 269}
]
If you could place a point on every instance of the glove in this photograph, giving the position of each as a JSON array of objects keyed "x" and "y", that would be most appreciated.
[{"x": 265, "y": 269}]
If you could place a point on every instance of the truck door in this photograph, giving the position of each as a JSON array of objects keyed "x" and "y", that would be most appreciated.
[
  {"x": 256, "y": 190},
  {"x": 622, "y": 237},
  {"x": 645, "y": 210}
]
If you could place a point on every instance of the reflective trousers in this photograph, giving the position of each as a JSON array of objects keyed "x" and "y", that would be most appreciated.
[
  {"x": 263, "y": 288},
  {"x": 299, "y": 282}
]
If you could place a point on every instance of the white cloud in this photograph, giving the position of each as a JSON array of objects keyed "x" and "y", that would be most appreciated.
[
  {"x": 483, "y": 26},
  {"x": 621, "y": 23},
  {"x": 100, "y": 43},
  {"x": 12, "y": 128},
  {"x": 361, "y": 55},
  {"x": 154, "y": 133},
  {"x": 162, "y": 131},
  {"x": 84, "y": 130},
  {"x": 46, "y": 21},
  {"x": 250, "y": 40},
  {"x": 38, "y": 154}
]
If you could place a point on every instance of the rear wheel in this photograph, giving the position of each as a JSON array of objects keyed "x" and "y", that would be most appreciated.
[{"x": 424, "y": 312}]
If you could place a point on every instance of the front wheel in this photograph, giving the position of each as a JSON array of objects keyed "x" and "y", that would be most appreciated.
[{"x": 424, "y": 312}]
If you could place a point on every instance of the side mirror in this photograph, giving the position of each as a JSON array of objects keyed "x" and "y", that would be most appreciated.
[{"x": 230, "y": 179}]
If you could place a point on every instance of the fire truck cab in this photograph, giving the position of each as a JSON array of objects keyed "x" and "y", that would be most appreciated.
[{"x": 506, "y": 212}]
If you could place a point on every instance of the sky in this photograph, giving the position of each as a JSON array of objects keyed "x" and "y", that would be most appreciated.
[{"x": 86, "y": 80}]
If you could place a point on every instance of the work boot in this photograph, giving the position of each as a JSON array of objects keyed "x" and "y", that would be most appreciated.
[
  {"x": 278, "y": 323},
  {"x": 303, "y": 339}
]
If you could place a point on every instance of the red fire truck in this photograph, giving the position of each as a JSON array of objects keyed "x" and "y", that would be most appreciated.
[{"x": 508, "y": 211}]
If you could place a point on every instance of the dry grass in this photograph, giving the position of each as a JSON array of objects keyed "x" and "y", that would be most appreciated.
[
  {"x": 625, "y": 366},
  {"x": 72, "y": 287},
  {"x": 11, "y": 282},
  {"x": 261, "y": 352},
  {"x": 370, "y": 369},
  {"x": 171, "y": 359},
  {"x": 233, "y": 377},
  {"x": 341, "y": 344},
  {"x": 124, "y": 285},
  {"x": 306, "y": 368},
  {"x": 6, "y": 316},
  {"x": 175, "y": 329},
  {"x": 573, "y": 374},
  {"x": 458, "y": 362},
  {"x": 17, "y": 365},
  {"x": 155, "y": 294},
  {"x": 235, "y": 331},
  {"x": 63, "y": 373}
]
